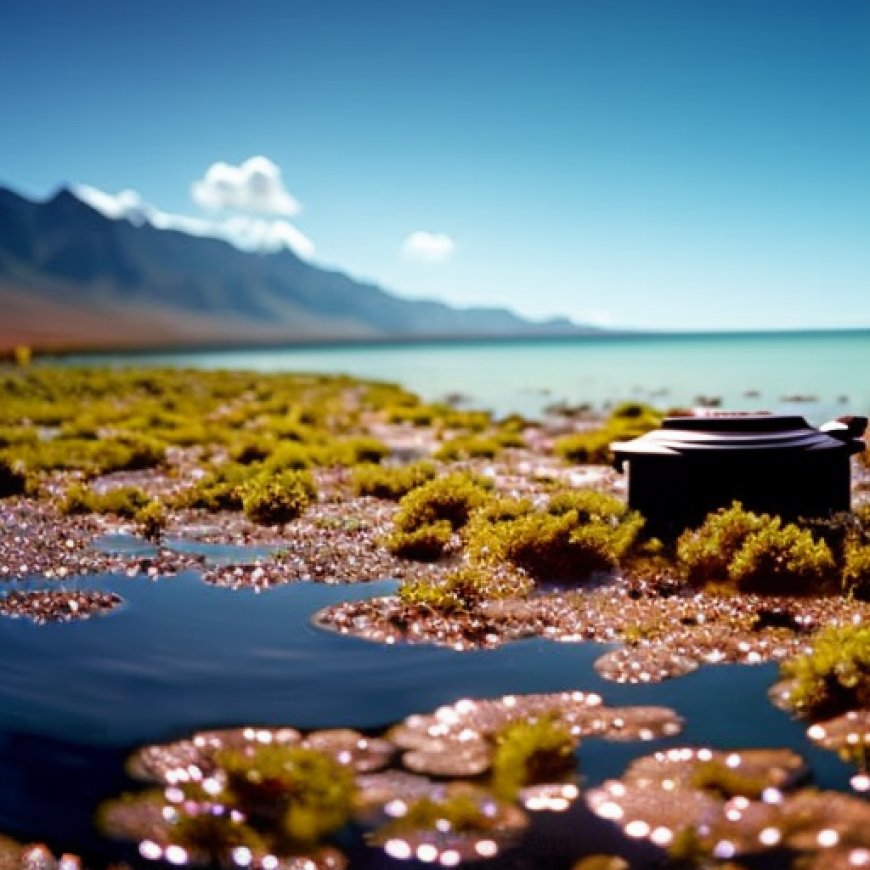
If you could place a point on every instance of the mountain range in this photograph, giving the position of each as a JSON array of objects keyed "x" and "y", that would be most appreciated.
[{"x": 72, "y": 277}]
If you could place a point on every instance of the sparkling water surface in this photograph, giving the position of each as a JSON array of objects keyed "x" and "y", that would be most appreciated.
[{"x": 180, "y": 656}]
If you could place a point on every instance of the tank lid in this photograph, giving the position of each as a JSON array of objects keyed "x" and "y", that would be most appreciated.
[
  {"x": 737, "y": 422},
  {"x": 733, "y": 433}
]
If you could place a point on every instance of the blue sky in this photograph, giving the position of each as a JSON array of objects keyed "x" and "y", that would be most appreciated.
[{"x": 641, "y": 163}]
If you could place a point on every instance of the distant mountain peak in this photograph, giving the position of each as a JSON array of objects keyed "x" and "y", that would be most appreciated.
[
  {"x": 67, "y": 251},
  {"x": 246, "y": 232},
  {"x": 127, "y": 205},
  {"x": 64, "y": 196}
]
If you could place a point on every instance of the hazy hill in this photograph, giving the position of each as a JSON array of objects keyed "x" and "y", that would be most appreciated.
[{"x": 70, "y": 275}]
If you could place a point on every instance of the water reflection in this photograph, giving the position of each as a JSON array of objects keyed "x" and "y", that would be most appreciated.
[
  {"x": 212, "y": 554},
  {"x": 76, "y": 699}
]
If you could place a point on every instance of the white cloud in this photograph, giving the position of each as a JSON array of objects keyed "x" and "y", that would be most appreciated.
[
  {"x": 127, "y": 204},
  {"x": 259, "y": 234},
  {"x": 264, "y": 235},
  {"x": 256, "y": 185},
  {"x": 428, "y": 247}
]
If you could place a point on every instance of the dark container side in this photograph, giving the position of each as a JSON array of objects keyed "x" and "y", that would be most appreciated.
[{"x": 676, "y": 492}]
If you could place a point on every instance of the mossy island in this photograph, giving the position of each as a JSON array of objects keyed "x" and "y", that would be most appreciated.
[{"x": 497, "y": 530}]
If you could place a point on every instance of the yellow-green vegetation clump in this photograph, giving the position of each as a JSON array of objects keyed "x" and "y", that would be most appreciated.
[
  {"x": 463, "y": 590},
  {"x": 471, "y": 420},
  {"x": 458, "y": 812},
  {"x": 834, "y": 676},
  {"x": 290, "y": 455},
  {"x": 249, "y": 449},
  {"x": 474, "y": 435},
  {"x": 220, "y": 489},
  {"x": 529, "y": 752},
  {"x": 485, "y": 444},
  {"x": 118, "y": 452},
  {"x": 302, "y": 791},
  {"x": 705, "y": 553},
  {"x": 128, "y": 502},
  {"x": 781, "y": 557},
  {"x": 427, "y": 543},
  {"x": 428, "y": 514},
  {"x": 270, "y": 799},
  {"x": 509, "y": 438},
  {"x": 848, "y": 536},
  {"x": 276, "y": 499},
  {"x": 498, "y": 509},
  {"x": 96, "y": 421},
  {"x": 313, "y": 449},
  {"x": 390, "y": 481},
  {"x": 278, "y": 801},
  {"x": 574, "y": 534},
  {"x": 626, "y": 421},
  {"x": 413, "y": 412},
  {"x": 465, "y": 434},
  {"x": 10, "y": 435},
  {"x": 856, "y": 569},
  {"x": 152, "y": 519},
  {"x": 756, "y": 553},
  {"x": 716, "y": 777},
  {"x": 102, "y": 420},
  {"x": 468, "y": 447},
  {"x": 354, "y": 450},
  {"x": 123, "y": 501},
  {"x": 214, "y": 837}
]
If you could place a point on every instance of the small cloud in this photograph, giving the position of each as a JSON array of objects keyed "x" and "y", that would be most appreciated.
[
  {"x": 256, "y": 185},
  {"x": 127, "y": 204},
  {"x": 262, "y": 235},
  {"x": 428, "y": 247}
]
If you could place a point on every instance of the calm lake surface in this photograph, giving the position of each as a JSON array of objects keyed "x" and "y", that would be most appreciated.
[
  {"x": 828, "y": 370},
  {"x": 179, "y": 656}
]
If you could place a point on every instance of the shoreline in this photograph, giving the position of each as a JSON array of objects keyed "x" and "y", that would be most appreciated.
[{"x": 61, "y": 350}]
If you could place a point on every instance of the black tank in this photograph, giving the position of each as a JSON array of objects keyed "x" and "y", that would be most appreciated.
[{"x": 770, "y": 463}]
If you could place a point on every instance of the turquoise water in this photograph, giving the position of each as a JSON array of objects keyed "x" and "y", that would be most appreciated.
[{"x": 525, "y": 375}]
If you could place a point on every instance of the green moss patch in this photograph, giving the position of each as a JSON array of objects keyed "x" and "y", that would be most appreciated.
[
  {"x": 576, "y": 533},
  {"x": 759, "y": 553},
  {"x": 834, "y": 676}
]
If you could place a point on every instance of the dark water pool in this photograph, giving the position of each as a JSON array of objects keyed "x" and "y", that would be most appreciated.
[{"x": 179, "y": 656}]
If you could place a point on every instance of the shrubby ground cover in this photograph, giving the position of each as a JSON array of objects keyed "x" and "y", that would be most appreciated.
[{"x": 266, "y": 450}]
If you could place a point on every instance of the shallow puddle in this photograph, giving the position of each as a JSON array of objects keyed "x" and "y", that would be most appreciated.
[
  {"x": 213, "y": 555},
  {"x": 180, "y": 656},
  {"x": 125, "y": 545},
  {"x": 216, "y": 555}
]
